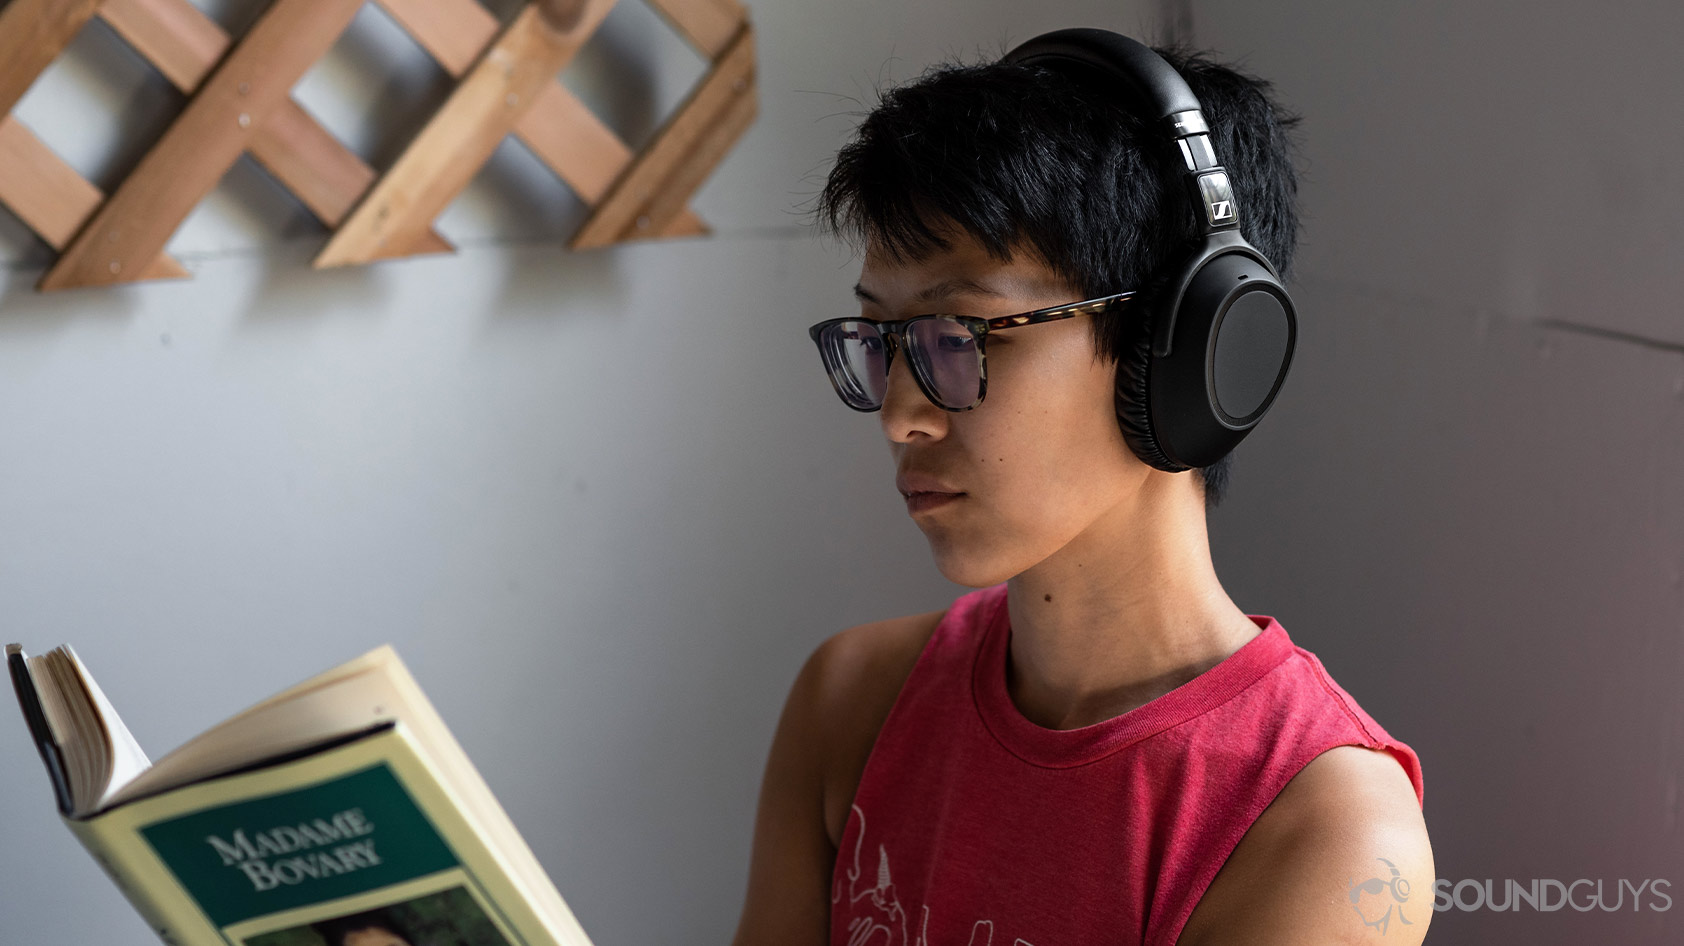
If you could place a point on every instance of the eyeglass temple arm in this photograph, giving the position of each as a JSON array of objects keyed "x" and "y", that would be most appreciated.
[{"x": 1088, "y": 307}]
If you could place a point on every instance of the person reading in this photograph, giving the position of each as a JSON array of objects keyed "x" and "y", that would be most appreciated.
[{"x": 1096, "y": 745}]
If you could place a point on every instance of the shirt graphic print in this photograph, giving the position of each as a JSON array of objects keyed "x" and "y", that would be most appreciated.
[{"x": 875, "y": 914}]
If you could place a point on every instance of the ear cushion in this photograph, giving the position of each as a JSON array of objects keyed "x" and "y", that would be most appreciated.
[{"x": 1131, "y": 396}]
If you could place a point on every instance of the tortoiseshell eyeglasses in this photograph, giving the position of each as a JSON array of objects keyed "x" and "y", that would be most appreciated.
[{"x": 946, "y": 352}]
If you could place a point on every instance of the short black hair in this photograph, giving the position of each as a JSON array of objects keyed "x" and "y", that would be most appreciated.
[{"x": 1023, "y": 156}]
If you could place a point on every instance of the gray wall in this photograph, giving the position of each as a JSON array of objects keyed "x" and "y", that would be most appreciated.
[
  {"x": 604, "y": 504},
  {"x": 1470, "y": 502}
]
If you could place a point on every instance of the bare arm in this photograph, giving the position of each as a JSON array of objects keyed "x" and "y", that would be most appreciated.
[
  {"x": 788, "y": 898},
  {"x": 835, "y": 710},
  {"x": 1341, "y": 858}
]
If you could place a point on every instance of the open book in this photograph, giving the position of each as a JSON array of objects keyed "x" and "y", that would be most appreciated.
[{"x": 339, "y": 806}]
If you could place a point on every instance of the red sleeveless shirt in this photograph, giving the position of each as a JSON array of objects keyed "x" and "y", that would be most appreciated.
[{"x": 973, "y": 826}]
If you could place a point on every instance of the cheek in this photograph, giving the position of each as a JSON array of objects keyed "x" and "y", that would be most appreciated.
[
  {"x": 1055, "y": 446},
  {"x": 1061, "y": 396}
]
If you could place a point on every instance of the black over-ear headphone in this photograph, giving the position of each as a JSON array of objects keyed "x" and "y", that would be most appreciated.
[{"x": 1223, "y": 328}]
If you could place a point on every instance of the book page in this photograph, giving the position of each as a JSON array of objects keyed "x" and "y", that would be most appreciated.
[
  {"x": 123, "y": 759},
  {"x": 69, "y": 740},
  {"x": 339, "y": 701},
  {"x": 100, "y": 755}
]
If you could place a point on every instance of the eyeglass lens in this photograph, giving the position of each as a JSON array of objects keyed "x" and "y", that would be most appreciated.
[{"x": 942, "y": 351}]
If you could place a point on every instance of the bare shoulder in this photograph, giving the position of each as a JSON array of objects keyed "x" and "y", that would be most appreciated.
[
  {"x": 856, "y": 675},
  {"x": 1340, "y": 856},
  {"x": 829, "y": 722}
]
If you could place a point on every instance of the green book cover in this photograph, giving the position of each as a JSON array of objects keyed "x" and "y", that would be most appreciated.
[{"x": 358, "y": 844}]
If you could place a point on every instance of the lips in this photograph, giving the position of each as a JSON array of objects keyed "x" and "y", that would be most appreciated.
[
  {"x": 922, "y": 502},
  {"x": 912, "y": 483}
]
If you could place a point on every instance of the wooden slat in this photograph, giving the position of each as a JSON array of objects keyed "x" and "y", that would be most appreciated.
[
  {"x": 582, "y": 151},
  {"x": 131, "y": 228},
  {"x": 45, "y": 193},
  {"x": 461, "y": 135},
  {"x": 681, "y": 154},
  {"x": 320, "y": 171},
  {"x": 575, "y": 144},
  {"x": 173, "y": 35},
  {"x": 455, "y": 32},
  {"x": 558, "y": 128},
  {"x": 32, "y": 34},
  {"x": 709, "y": 25},
  {"x": 51, "y": 198},
  {"x": 670, "y": 196},
  {"x": 632, "y": 197},
  {"x": 185, "y": 45}
]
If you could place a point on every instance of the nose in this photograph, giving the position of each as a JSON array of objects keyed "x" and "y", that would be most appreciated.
[{"x": 906, "y": 412}]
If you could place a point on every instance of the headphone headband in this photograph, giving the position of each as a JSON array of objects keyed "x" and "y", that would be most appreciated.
[
  {"x": 1155, "y": 84},
  {"x": 1223, "y": 333},
  {"x": 1152, "y": 80}
]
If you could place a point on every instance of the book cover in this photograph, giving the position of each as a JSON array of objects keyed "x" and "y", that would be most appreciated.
[
  {"x": 338, "y": 812},
  {"x": 357, "y": 844}
]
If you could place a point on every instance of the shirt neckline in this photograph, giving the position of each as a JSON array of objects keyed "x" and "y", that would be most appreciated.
[{"x": 1066, "y": 748}]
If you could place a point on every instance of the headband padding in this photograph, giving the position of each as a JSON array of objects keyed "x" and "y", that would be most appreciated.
[{"x": 1142, "y": 71}]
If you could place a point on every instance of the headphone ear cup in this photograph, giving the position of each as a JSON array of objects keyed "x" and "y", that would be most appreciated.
[
  {"x": 1234, "y": 333},
  {"x": 1132, "y": 397}
]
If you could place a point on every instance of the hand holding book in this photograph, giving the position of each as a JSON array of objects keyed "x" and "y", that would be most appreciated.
[{"x": 344, "y": 799}]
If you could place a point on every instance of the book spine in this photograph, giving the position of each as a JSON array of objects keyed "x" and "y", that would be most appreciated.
[
  {"x": 172, "y": 933},
  {"x": 23, "y": 682}
]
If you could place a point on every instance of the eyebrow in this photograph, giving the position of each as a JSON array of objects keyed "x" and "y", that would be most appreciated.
[{"x": 950, "y": 287}]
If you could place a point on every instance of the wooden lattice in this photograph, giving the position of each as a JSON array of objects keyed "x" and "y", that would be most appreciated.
[{"x": 240, "y": 101}]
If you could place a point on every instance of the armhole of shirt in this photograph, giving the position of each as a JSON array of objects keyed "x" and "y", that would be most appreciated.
[
  {"x": 1376, "y": 740},
  {"x": 1362, "y": 735},
  {"x": 895, "y": 709},
  {"x": 1200, "y": 887}
]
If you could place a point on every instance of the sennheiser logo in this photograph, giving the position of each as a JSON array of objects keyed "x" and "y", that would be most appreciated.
[{"x": 1218, "y": 196}]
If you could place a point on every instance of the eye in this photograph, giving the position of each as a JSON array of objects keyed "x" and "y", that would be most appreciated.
[{"x": 855, "y": 333}]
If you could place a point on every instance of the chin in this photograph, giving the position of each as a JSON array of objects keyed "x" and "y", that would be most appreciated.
[{"x": 972, "y": 571}]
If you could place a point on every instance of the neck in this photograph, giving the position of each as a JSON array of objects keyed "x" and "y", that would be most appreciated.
[{"x": 1124, "y": 613}]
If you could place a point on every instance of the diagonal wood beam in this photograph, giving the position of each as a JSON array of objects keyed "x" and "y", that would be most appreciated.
[
  {"x": 44, "y": 192},
  {"x": 558, "y": 128},
  {"x": 51, "y": 198},
  {"x": 460, "y": 137},
  {"x": 32, "y": 34},
  {"x": 686, "y": 149},
  {"x": 131, "y": 228},
  {"x": 185, "y": 45},
  {"x": 709, "y": 25}
]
